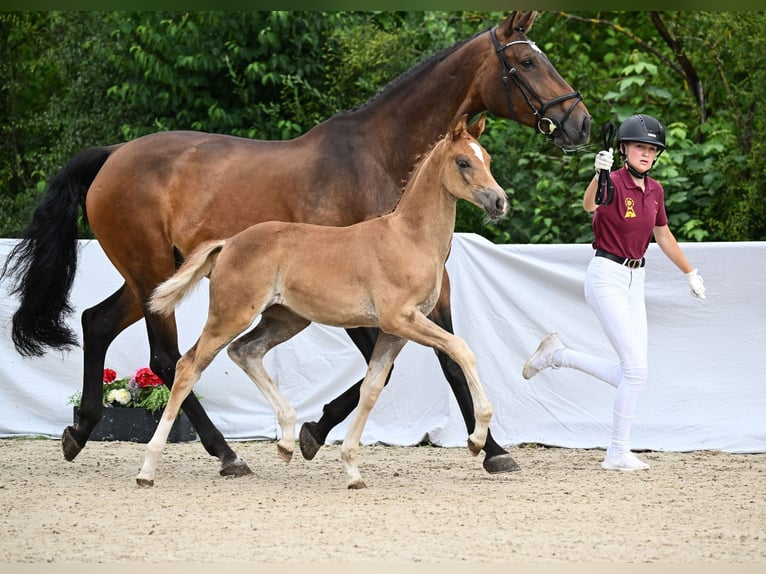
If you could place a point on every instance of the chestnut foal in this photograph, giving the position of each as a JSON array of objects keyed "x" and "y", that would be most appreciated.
[{"x": 384, "y": 272}]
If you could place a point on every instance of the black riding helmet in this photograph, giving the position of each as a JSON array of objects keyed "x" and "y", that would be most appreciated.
[{"x": 645, "y": 129}]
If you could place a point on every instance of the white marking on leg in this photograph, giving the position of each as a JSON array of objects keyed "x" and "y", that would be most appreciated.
[
  {"x": 155, "y": 446},
  {"x": 386, "y": 349}
]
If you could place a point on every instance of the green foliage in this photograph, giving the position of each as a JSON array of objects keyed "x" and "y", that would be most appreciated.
[
  {"x": 73, "y": 79},
  {"x": 249, "y": 74},
  {"x": 154, "y": 400}
]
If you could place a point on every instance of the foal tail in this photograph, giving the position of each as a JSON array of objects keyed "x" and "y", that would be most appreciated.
[
  {"x": 42, "y": 266},
  {"x": 170, "y": 292}
]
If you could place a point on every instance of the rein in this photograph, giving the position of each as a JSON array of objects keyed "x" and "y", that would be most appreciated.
[{"x": 545, "y": 125}]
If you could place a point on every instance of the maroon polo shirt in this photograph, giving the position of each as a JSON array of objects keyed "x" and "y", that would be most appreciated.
[{"x": 625, "y": 226}]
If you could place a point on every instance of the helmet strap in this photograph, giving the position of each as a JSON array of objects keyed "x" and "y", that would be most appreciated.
[{"x": 634, "y": 172}]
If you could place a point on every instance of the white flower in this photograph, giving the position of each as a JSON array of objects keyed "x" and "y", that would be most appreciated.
[{"x": 121, "y": 396}]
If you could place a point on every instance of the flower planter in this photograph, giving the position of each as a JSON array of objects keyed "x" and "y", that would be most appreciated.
[{"x": 137, "y": 425}]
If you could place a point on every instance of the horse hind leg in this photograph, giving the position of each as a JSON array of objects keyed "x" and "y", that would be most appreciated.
[
  {"x": 187, "y": 374},
  {"x": 100, "y": 325},
  {"x": 215, "y": 336},
  {"x": 163, "y": 343},
  {"x": 276, "y": 326}
]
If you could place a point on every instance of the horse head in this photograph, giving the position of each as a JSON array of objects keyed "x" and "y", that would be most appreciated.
[
  {"x": 532, "y": 91},
  {"x": 468, "y": 174}
]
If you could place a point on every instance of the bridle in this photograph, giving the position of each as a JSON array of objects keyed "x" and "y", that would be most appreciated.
[{"x": 545, "y": 125}]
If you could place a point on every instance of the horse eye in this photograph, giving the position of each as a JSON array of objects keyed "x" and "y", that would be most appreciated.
[
  {"x": 527, "y": 63},
  {"x": 463, "y": 163}
]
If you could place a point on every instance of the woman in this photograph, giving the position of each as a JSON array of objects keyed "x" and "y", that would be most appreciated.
[{"x": 614, "y": 281}]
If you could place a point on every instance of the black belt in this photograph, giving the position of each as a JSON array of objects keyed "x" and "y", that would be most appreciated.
[{"x": 626, "y": 261}]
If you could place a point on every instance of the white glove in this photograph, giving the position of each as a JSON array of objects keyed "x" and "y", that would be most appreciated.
[
  {"x": 604, "y": 160},
  {"x": 696, "y": 283}
]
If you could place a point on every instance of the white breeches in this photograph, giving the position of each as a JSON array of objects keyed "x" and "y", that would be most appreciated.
[{"x": 616, "y": 295}]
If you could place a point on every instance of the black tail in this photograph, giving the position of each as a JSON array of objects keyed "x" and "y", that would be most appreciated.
[{"x": 42, "y": 265}]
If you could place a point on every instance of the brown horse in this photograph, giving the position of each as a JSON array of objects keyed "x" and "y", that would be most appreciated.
[
  {"x": 384, "y": 272},
  {"x": 152, "y": 200}
]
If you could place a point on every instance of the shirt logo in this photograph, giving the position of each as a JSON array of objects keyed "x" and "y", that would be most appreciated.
[{"x": 629, "y": 212}]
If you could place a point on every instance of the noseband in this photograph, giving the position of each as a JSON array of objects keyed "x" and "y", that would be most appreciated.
[{"x": 545, "y": 125}]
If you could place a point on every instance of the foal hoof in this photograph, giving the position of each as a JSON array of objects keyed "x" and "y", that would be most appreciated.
[
  {"x": 500, "y": 463},
  {"x": 144, "y": 483},
  {"x": 284, "y": 454},
  {"x": 309, "y": 440},
  {"x": 69, "y": 444},
  {"x": 357, "y": 485},
  {"x": 236, "y": 468}
]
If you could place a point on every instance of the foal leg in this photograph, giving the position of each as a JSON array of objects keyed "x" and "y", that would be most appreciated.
[
  {"x": 214, "y": 337},
  {"x": 378, "y": 369},
  {"x": 163, "y": 344},
  {"x": 496, "y": 458},
  {"x": 314, "y": 434},
  {"x": 187, "y": 373},
  {"x": 276, "y": 326},
  {"x": 417, "y": 327}
]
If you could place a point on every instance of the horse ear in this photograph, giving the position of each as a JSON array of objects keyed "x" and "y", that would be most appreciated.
[
  {"x": 459, "y": 127},
  {"x": 477, "y": 127},
  {"x": 518, "y": 22}
]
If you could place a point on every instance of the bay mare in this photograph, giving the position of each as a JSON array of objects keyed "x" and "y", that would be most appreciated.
[
  {"x": 151, "y": 201},
  {"x": 384, "y": 272}
]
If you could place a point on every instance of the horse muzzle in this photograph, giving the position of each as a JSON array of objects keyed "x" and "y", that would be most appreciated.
[
  {"x": 573, "y": 129},
  {"x": 493, "y": 201}
]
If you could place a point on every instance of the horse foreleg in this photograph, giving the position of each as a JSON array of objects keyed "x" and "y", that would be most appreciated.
[
  {"x": 417, "y": 327},
  {"x": 379, "y": 367},
  {"x": 496, "y": 458},
  {"x": 314, "y": 434},
  {"x": 276, "y": 326},
  {"x": 100, "y": 325}
]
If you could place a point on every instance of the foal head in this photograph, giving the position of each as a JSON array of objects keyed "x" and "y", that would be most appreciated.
[{"x": 466, "y": 169}]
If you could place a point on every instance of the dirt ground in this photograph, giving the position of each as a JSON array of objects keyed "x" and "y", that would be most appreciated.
[{"x": 424, "y": 505}]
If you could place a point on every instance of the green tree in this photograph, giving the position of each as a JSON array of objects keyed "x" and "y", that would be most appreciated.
[{"x": 73, "y": 79}]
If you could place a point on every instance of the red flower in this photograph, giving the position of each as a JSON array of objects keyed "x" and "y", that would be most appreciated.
[
  {"x": 109, "y": 376},
  {"x": 146, "y": 378}
]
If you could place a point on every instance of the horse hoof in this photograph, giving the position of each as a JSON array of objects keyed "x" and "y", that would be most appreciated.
[
  {"x": 69, "y": 444},
  {"x": 500, "y": 463},
  {"x": 236, "y": 468},
  {"x": 309, "y": 440},
  {"x": 144, "y": 483},
  {"x": 284, "y": 454},
  {"x": 357, "y": 485},
  {"x": 473, "y": 447}
]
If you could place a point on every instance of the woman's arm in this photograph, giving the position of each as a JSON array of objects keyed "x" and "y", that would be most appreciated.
[
  {"x": 589, "y": 197},
  {"x": 670, "y": 247}
]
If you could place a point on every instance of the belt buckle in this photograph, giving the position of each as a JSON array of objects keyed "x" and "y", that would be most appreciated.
[{"x": 633, "y": 263}]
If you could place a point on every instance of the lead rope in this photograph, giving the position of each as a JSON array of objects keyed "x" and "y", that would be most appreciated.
[{"x": 605, "y": 191}]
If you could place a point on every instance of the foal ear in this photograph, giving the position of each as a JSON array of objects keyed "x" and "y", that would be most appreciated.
[
  {"x": 518, "y": 22},
  {"x": 459, "y": 127},
  {"x": 477, "y": 127}
]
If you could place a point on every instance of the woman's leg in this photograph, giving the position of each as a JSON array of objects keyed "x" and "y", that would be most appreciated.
[{"x": 616, "y": 295}]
